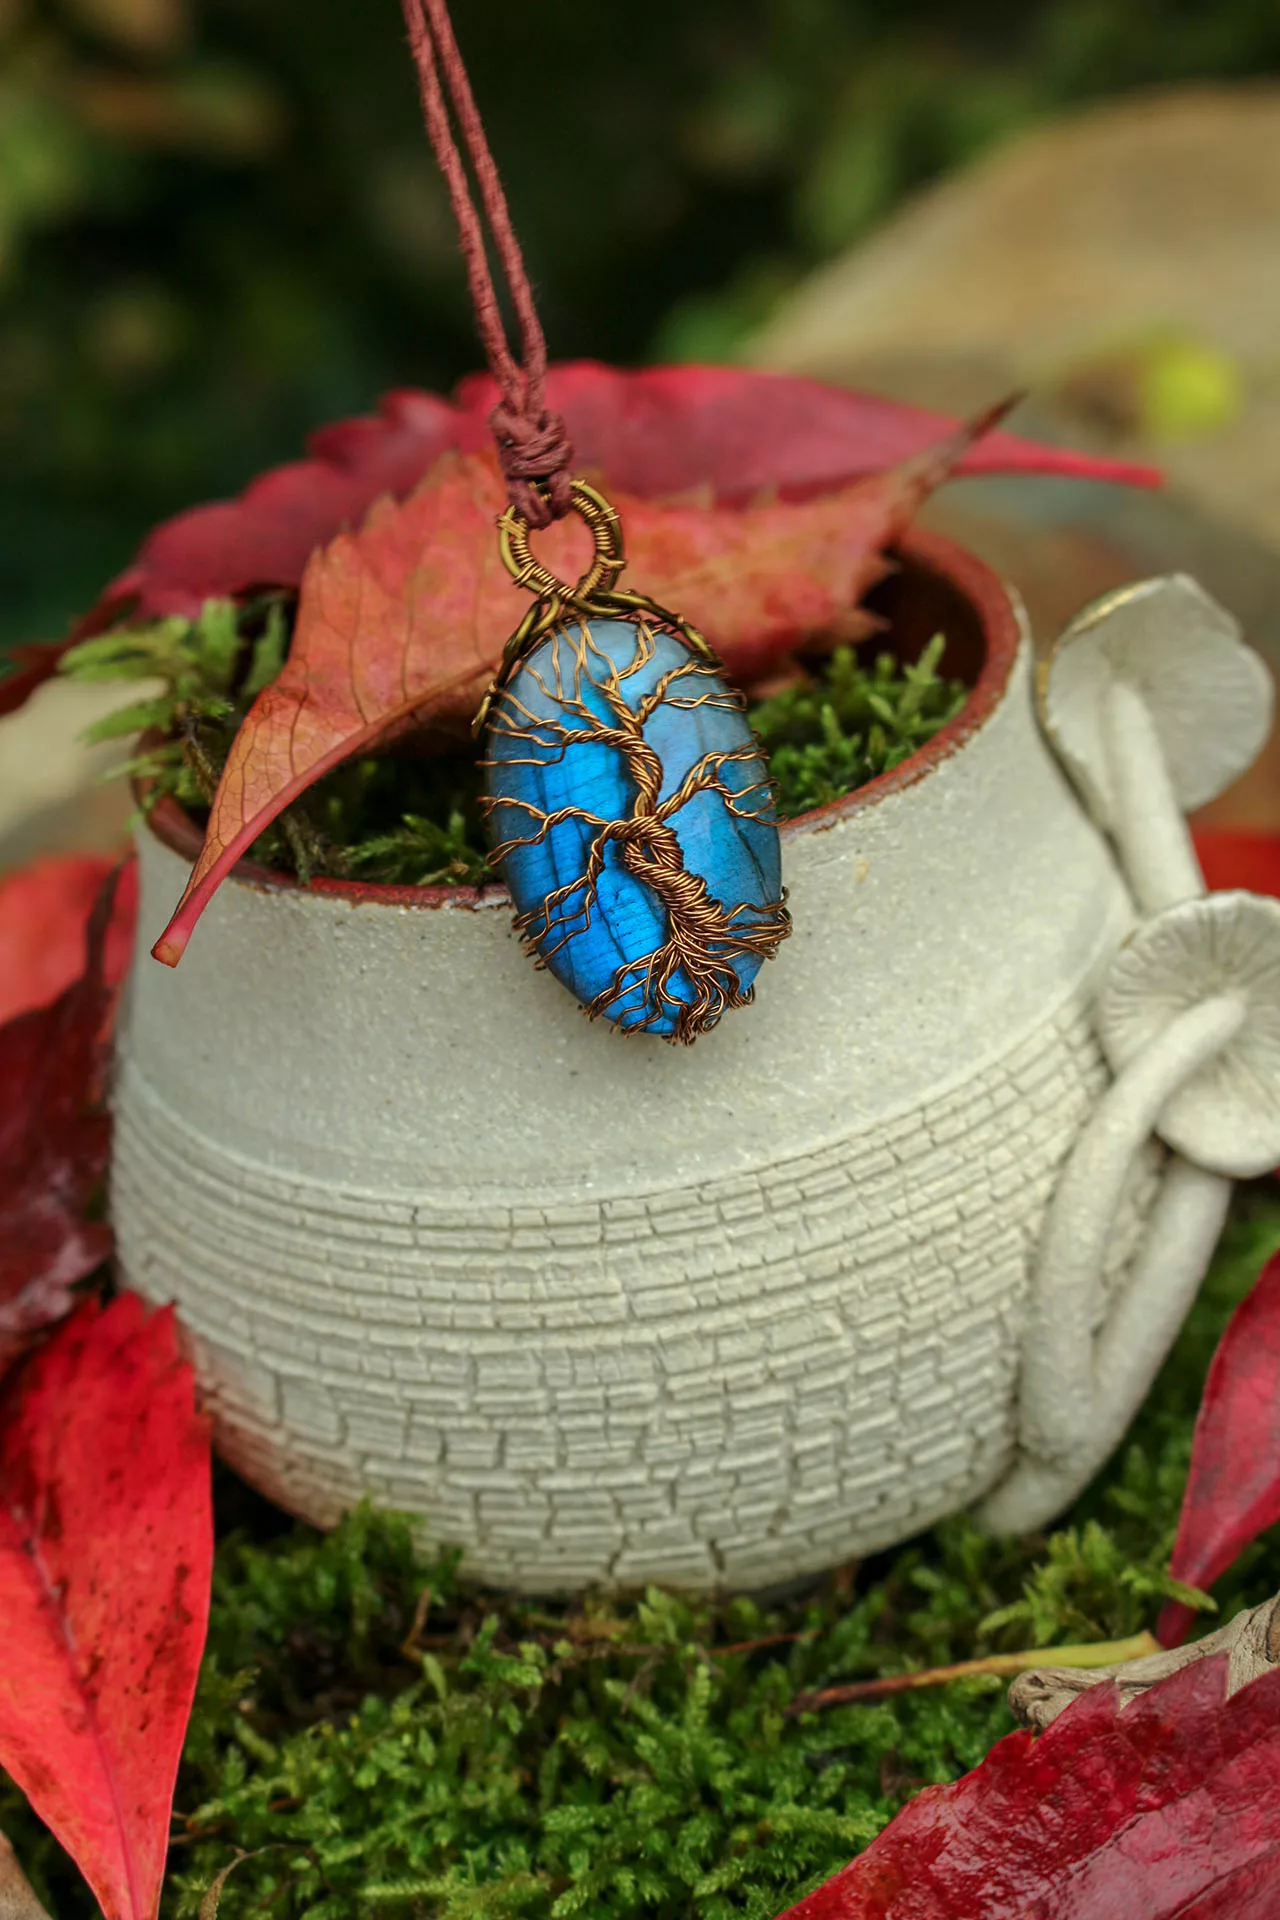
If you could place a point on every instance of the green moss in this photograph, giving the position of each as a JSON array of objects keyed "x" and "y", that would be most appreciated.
[
  {"x": 852, "y": 723},
  {"x": 389, "y": 1739},
  {"x": 209, "y": 671},
  {"x": 413, "y": 818},
  {"x": 410, "y": 823}
]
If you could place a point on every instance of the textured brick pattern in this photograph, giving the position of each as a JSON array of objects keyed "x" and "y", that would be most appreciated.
[{"x": 734, "y": 1383}]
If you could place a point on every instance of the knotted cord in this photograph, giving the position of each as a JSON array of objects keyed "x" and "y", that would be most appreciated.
[{"x": 533, "y": 445}]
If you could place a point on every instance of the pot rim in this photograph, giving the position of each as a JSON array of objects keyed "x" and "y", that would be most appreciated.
[{"x": 928, "y": 552}]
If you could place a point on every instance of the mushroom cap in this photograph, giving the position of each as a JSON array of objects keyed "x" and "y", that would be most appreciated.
[
  {"x": 1226, "y": 1117},
  {"x": 1208, "y": 694}
]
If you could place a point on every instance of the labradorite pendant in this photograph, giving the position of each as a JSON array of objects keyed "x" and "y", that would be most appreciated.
[{"x": 628, "y": 802}]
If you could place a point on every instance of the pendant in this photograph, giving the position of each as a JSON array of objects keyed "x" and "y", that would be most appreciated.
[{"x": 628, "y": 803}]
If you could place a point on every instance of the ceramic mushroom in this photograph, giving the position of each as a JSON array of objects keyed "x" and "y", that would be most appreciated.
[
  {"x": 1155, "y": 705},
  {"x": 1214, "y": 963}
]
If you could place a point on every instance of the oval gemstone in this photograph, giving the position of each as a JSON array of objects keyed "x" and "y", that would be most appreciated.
[{"x": 632, "y": 819}]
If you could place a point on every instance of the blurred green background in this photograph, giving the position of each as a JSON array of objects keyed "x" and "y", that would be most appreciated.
[{"x": 220, "y": 223}]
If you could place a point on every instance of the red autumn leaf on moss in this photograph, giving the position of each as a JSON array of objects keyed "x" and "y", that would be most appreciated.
[
  {"x": 665, "y": 430},
  {"x": 1233, "y": 857},
  {"x": 1167, "y": 1809},
  {"x": 106, "y": 1551},
  {"x": 44, "y": 912},
  {"x": 55, "y": 1133},
  {"x": 410, "y": 615},
  {"x": 1233, "y": 1488}
]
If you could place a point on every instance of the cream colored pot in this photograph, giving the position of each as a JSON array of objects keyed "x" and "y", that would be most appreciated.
[{"x": 606, "y": 1310}]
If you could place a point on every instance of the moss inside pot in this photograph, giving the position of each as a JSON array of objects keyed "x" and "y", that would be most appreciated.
[{"x": 412, "y": 817}]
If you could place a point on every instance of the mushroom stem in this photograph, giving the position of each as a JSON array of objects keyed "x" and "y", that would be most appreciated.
[
  {"x": 1148, "y": 827},
  {"x": 1064, "y": 1395},
  {"x": 1181, "y": 1235},
  {"x": 1143, "y": 1323}
]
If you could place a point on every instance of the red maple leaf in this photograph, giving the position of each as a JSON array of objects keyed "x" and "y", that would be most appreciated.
[
  {"x": 1167, "y": 1809},
  {"x": 661, "y": 431},
  {"x": 410, "y": 616},
  {"x": 266, "y": 537},
  {"x": 1233, "y": 1488},
  {"x": 44, "y": 913},
  {"x": 55, "y": 1132},
  {"x": 106, "y": 1552}
]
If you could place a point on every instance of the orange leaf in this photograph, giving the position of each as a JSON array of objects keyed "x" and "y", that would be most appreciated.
[
  {"x": 44, "y": 911},
  {"x": 410, "y": 615}
]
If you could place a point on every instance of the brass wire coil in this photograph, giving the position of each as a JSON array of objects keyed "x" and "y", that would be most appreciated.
[
  {"x": 597, "y": 591},
  {"x": 605, "y": 529}
]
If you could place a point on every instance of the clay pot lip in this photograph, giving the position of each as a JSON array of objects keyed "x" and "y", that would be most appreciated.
[
  {"x": 1002, "y": 636},
  {"x": 925, "y": 552}
]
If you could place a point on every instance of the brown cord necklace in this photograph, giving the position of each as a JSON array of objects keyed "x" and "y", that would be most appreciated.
[{"x": 628, "y": 803}]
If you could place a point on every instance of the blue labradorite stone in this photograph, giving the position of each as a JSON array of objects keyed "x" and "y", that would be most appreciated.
[{"x": 631, "y": 816}]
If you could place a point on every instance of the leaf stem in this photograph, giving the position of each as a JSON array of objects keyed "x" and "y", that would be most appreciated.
[{"x": 1097, "y": 1653}]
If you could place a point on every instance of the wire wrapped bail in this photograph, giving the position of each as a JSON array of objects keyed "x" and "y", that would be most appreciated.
[
  {"x": 551, "y": 595},
  {"x": 605, "y": 529}
]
